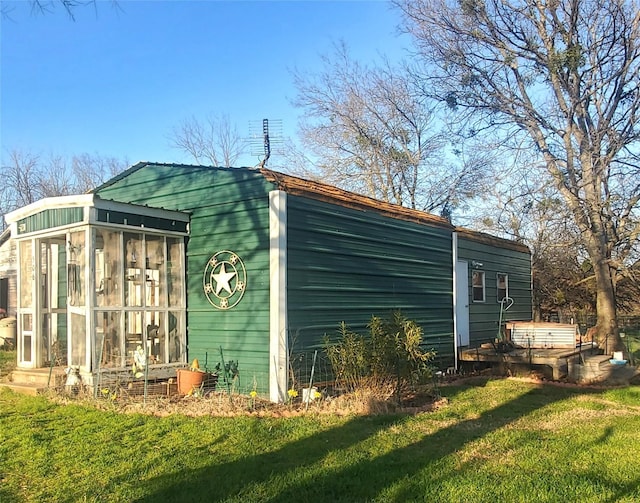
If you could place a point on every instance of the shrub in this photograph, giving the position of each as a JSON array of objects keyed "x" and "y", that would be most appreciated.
[
  {"x": 396, "y": 350},
  {"x": 390, "y": 354},
  {"x": 349, "y": 357}
]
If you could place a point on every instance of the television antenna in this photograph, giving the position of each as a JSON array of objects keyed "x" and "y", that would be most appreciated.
[{"x": 264, "y": 137}]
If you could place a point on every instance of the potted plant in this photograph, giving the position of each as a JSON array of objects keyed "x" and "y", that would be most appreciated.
[{"x": 190, "y": 378}]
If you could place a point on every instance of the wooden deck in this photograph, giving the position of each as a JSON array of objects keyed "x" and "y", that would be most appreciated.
[{"x": 557, "y": 359}]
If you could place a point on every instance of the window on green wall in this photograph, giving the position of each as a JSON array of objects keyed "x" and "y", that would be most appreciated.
[
  {"x": 477, "y": 285},
  {"x": 502, "y": 284}
]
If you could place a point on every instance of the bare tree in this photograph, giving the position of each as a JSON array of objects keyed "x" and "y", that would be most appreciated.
[
  {"x": 371, "y": 132},
  {"x": 89, "y": 171},
  {"x": 20, "y": 181},
  {"x": 214, "y": 141},
  {"x": 41, "y": 7},
  {"x": 525, "y": 206},
  {"x": 54, "y": 177},
  {"x": 27, "y": 177},
  {"x": 566, "y": 74}
]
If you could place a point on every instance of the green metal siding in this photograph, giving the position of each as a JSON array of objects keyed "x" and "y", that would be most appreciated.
[
  {"x": 347, "y": 265},
  {"x": 49, "y": 219},
  {"x": 484, "y": 317},
  {"x": 229, "y": 211}
]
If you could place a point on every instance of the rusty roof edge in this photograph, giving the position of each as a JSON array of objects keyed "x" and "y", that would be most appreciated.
[
  {"x": 324, "y": 192},
  {"x": 5, "y": 235},
  {"x": 483, "y": 237}
]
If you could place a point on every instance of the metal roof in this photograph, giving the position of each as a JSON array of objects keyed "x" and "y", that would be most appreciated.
[
  {"x": 331, "y": 194},
  {"x": 322, "y": 191}
]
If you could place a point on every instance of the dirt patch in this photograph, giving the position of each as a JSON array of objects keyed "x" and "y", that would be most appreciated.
[{"x": 221, "y": 404}]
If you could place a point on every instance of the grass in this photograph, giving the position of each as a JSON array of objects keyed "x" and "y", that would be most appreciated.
[
  {"x": 494, "y": 440},
  {"x": 632, "y": 342},
  {"x": 7, "y": 362}
]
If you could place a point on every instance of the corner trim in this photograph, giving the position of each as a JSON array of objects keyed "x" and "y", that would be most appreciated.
[{"x": 278, "y": 322}]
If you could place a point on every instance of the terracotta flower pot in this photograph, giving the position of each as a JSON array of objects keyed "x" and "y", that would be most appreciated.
[{"x": 188, "y": 380}]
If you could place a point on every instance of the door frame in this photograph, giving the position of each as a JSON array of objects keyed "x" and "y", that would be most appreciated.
[
  {"x": 25, "y": 347},
  {"x": 53, "y": 287},
  {"x": 36, "y": 342},
  {"x": 461, "y": 304}
]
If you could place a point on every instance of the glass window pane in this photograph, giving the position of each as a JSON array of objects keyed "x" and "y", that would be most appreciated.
[
  {"x": 175, "y": 272},
  {"x": 76, "y": 286},
  {"x": 502, "y": 285},
  {"x": 59, "y": 325},
  {"x": 109, "y": 343},
  {"x": 133, "y": 330},
  {"x": 26, "y": 274},
  {"x": 59, "y": 276},
  {"x": 155, "y": 287},
  {"x": 176, "y": 340},
  {"x": 54, "y": 339},
  {"x": 78, "y": 339},
  {"x": 27, "y": 334},
  {"x": 46, "y": 341},
  {"x": 45, "y": 277},
  {"x": 477, "y": 281},
  {"x": 156, "y": 337},
  {"x": 133, "y": 292},
  {"x": 108, "y": 265}
]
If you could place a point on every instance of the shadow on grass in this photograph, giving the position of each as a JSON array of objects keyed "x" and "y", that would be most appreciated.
[
  {"x": 224, "y": 480},
  {"x": 360, "y": 480}
]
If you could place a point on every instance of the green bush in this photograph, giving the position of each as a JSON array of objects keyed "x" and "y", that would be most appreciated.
[
  {"x": 349, "y": 357},
  {"x": 390, "y": 353},
  {"x": 396, "y": 350}
]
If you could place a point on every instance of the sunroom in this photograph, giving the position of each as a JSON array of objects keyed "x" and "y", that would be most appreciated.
[{"x": 101, "y": 285}]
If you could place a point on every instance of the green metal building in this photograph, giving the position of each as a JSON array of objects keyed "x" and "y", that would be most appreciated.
[
  {"x": 493, "y": 284},
  {"x": 192, "y": 259}
]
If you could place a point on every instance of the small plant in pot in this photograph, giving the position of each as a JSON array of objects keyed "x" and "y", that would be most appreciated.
[{"x": 191, "y": 378}]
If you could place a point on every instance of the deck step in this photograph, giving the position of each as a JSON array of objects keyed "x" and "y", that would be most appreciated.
[
  {"x": 23, "y": 388},
  {"x": 596, "y": 361},
  {"x": 598, "y": 369},
  {"x": 42, "y": 377}
]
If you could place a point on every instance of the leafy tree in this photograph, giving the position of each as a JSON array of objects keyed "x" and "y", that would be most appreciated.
[
  {"x": 562, "y": 75},
  {"x": 371, "y": 132}
]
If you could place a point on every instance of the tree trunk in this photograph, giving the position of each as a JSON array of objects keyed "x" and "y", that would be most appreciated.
[{"x": 607, "y": 334}]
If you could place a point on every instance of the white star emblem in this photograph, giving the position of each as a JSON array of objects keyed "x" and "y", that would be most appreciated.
[
  {"x": 222, "y": 279},
  {"x": 225, "y": 279}
]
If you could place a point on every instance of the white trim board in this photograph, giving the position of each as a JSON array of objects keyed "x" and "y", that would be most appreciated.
[{"x": 278, "y": 323}]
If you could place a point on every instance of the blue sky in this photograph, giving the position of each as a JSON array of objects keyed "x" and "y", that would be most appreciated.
[{"x": 117, "y": 81}]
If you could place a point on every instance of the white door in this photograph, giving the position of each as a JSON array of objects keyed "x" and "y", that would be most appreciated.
[
  {"x": 26, "y": 334},
  {"x": 462, "y": 303}
]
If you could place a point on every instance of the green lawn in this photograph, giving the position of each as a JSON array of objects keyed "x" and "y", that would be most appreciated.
[
  {"x": 7, "y": 362},
  {"x": 495, "y": 441},
  {"x": 632, "y": 342}
]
